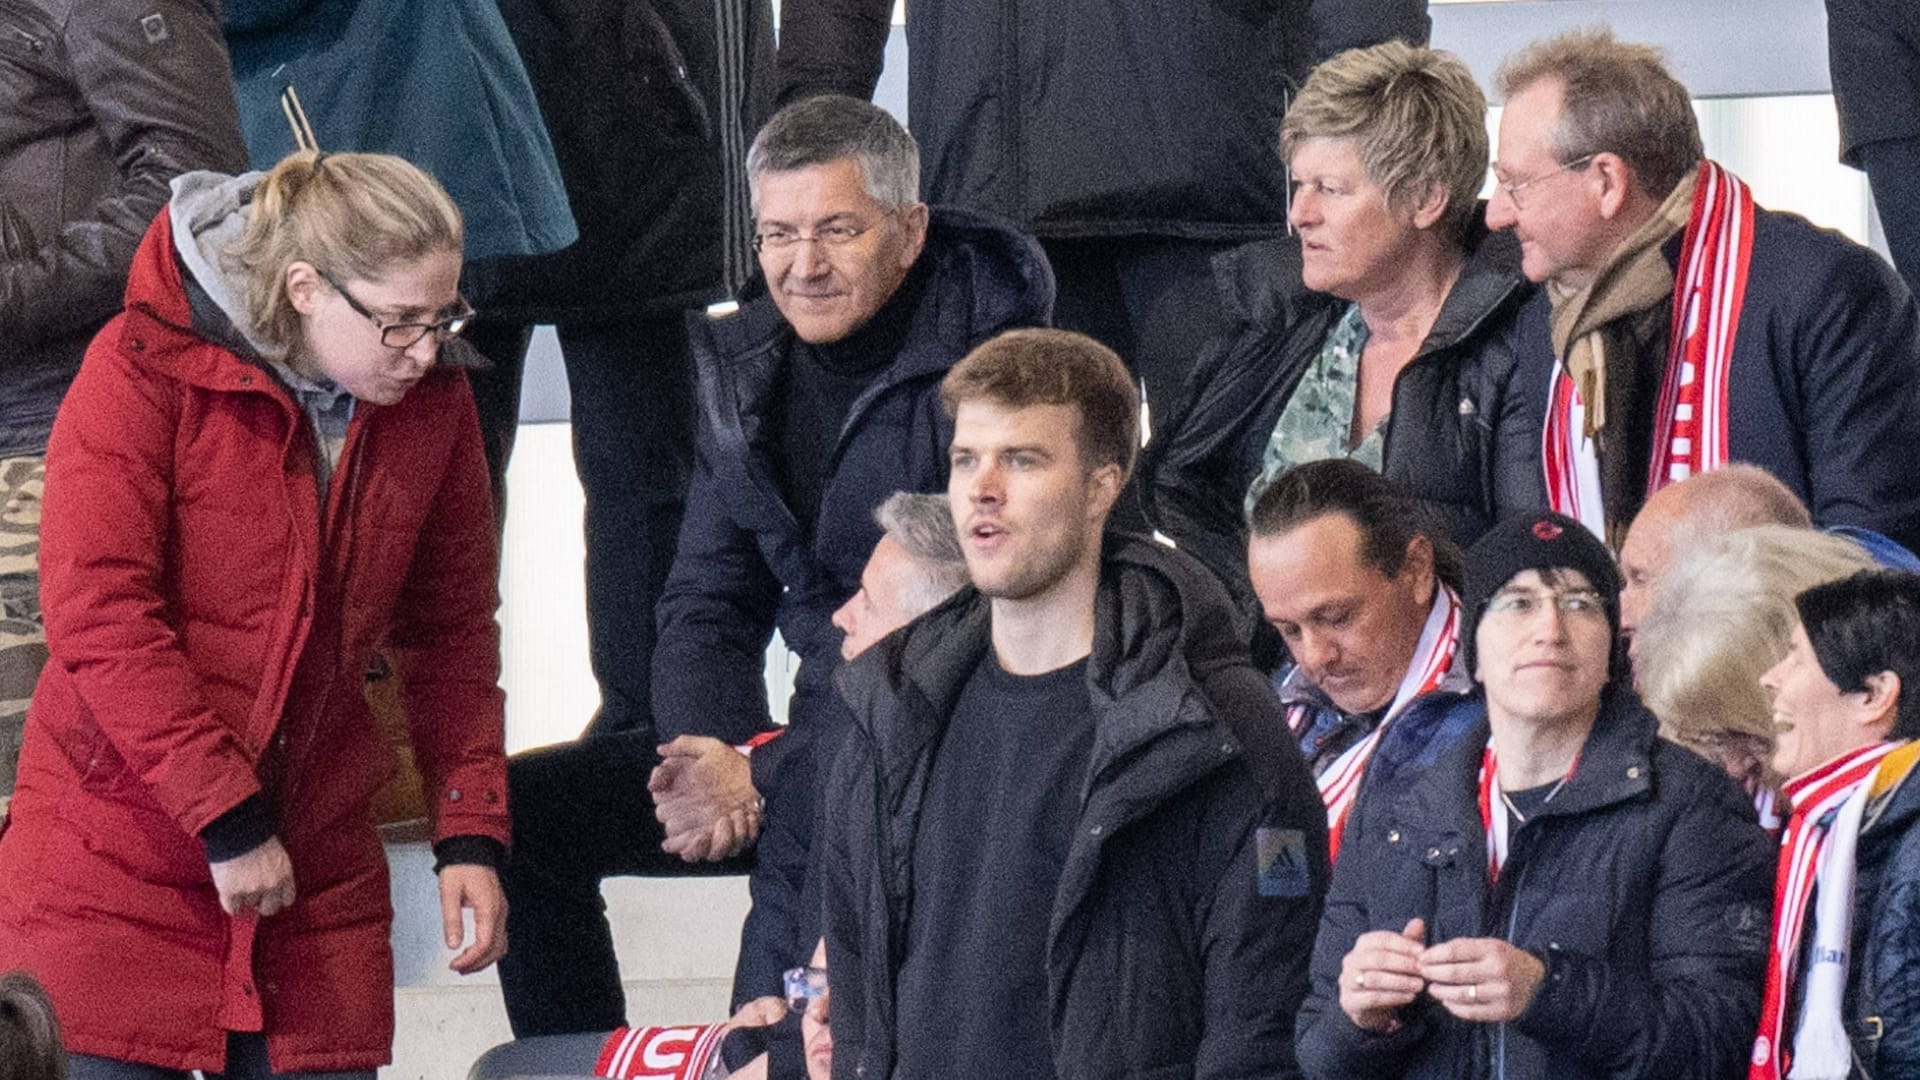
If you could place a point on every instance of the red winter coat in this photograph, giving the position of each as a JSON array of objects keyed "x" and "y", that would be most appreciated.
[{"x": 207, "y": 645}]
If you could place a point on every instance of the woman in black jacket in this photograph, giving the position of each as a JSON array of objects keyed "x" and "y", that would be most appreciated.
[
  {"x": 1562, "y": 894},
  {"x": 1383, "y": 331}
]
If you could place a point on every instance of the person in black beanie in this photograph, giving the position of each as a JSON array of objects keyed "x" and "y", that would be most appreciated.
[
  {"x": 1548, "y": 544},
  {"x": 1561, "y": 892}
]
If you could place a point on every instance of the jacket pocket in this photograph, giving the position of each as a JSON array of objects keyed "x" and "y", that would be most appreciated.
[
  {"x": 25, "y": 42},
  {"x": 16, "y": 236}
]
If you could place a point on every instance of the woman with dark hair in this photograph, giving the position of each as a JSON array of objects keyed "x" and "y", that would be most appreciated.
[
  {"x": 1382, "y": 331},
  {"x": 30, "y": 1046},
  {"x": 1841, "y": 997},
  {"x": 267, "y": 466}
]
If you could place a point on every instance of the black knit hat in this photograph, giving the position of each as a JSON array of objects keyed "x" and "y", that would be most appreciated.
[{"x": 1537, "y": 541}]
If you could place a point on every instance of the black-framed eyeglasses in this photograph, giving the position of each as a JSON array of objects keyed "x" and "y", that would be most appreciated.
[
  {"x": 827, "y": 236},
  {"x": 803, "y": 985},
  {"x": 403, "y": 335},
  {"x": 1513, "y": 188}
]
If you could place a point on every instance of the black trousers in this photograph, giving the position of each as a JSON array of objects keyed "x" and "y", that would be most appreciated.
[
  {"x": 1893, "y": 172},
  {"x": 630, "y": 391},
  {"x": 1151, "y": 299},
  {"x": 581, "y": 813}
]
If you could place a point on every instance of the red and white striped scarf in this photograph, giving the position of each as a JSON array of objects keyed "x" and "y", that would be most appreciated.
[
  {"x": 1493, "y": 817},
  {"x": 660, "y": 1053},
  {"x": 1432, "y": 658},
  {"x": 1690, "y": 425},
  {"x": 1815, "y": 797}
]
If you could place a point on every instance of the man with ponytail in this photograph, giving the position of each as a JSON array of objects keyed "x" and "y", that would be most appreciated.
[
  {"x": 1840, "y": 996},
  {"x": 1367, "y": 600},
  {"x": 268, "y": 465}
]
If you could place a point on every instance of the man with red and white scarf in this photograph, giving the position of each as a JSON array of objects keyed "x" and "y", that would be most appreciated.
[
  {"x": 1683, "y": 326},
  {"x": 1842, "y": 998},
  {"x": 1367, "y": 601}
]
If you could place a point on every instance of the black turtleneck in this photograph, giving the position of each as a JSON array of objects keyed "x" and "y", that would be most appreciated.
[{"x": 820, "y": 383}]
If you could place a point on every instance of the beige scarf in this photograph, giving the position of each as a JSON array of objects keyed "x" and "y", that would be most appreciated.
[{"x": 1602, "y": 333}]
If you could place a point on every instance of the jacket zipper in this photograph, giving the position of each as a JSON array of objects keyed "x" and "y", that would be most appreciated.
[{"x": 1513, "y": 929}]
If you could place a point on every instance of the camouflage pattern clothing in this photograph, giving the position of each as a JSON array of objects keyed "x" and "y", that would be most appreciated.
[
  {"x": 23, "y": 639},
  {"x": 1318, "y": 418}
]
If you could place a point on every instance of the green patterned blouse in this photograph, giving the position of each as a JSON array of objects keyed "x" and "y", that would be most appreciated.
[{"x": 1319, "y": 416}]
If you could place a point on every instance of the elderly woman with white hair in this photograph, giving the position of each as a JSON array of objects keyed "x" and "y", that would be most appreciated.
[
  {"x": 1383, "y": 330},
  {"x": 1719, "y": 619}
]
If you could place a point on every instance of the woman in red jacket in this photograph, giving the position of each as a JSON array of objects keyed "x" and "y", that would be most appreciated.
[{"x": 267, "y": 466}]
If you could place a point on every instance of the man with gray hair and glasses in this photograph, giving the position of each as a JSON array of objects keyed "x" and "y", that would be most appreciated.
[
  {"x": 818, "y": 400},
  {"x": 1683, "y": 326}
]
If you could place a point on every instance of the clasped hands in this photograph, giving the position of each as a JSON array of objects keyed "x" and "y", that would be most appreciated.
[
  {"x": 703, "y": 795},
  {"x": 1482, "y": 980}
]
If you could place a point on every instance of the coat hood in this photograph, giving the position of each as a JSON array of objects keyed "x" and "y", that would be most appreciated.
[
  {"x": 1162, "y": 626},
  {"x": 208, "y": 213}
]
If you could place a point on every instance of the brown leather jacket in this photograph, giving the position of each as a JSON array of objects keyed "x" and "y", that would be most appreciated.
[{"x": 102, "y": 104}]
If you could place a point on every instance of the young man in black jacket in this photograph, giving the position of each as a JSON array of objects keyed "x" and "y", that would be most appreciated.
[
  {"x": 1562, "y": 894},
  {"x": 1072, "y": 837},
  {"x": 818, "y": 400}
]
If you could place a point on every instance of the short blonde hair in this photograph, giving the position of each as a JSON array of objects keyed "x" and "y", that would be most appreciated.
[
  {"x": 1416, "y": 116},
  {"x": 350, "y": 215},
  {"x": 1720, "y": 618}
]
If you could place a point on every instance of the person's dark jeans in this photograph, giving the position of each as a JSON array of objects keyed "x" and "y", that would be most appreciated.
[
  {"x": 1893, "y": 172},
  {"x": 1154, "y": 301},
  {"x": 630, "y": 386},
  {"x": 246, "y": 1060},
  {"x": 581, "y": 813}
]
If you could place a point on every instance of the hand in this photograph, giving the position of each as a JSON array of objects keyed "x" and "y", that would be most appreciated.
[
  {"x": 1484, "y": 980},
  {"x": 261, "y": 880},
  {"x": 760, "y": 1012},
  {"x": 463, "y": 886},
  {"x": 703, "y": 795},
  {"x": 1380, "y": 974}
]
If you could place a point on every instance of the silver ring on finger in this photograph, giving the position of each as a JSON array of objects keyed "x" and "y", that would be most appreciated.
[
  {"x": 1473, "y": 991},
  {"x": 1360, "y": 980}
]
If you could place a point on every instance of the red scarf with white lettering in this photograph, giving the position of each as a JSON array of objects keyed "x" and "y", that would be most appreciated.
[
  {"x": 1690, "y": 424},
  {"x": 1339, "y": 783},
  {"x": 1815, "y": 797},
  {"x": 660, "y": 1053}
]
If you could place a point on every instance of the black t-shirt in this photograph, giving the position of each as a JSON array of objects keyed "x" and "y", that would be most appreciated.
[
  {"x": 1524, "y": 804},
  {"x": 818, "y": 386},
  {"x": 1002, "y": 800}
]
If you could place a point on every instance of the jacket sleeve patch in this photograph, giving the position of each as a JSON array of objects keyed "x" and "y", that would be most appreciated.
[
  {"x": 155, "y": 27},
  {"x": 1281, "y": 862}
]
